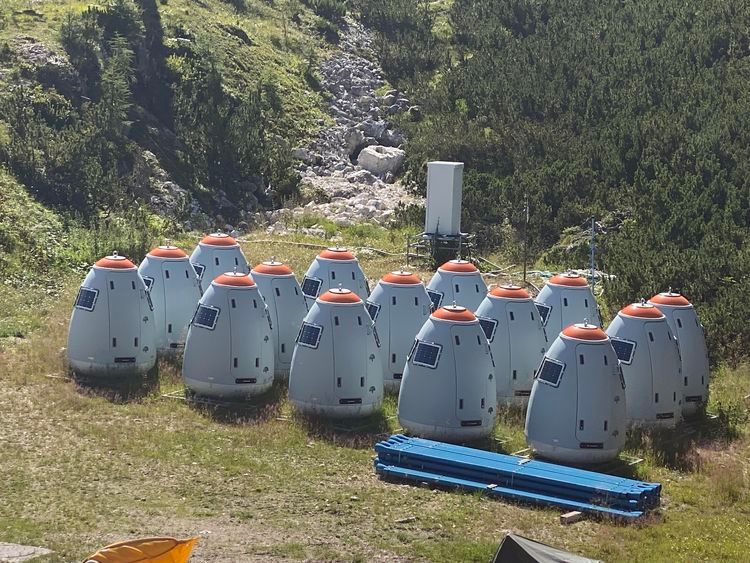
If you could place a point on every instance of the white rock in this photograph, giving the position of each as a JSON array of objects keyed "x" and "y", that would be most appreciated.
[{"x": 379, "y": 159}]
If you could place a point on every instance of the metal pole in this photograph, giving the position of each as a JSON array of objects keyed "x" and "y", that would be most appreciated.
[
  {"x": 525, "y": 229},
  {"x": 593, "y": 251}
]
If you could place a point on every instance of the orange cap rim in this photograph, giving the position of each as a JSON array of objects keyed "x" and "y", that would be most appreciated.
[
  {"x": 401, "y": 278},
  {"x": 340, "y": 295},
  {"x": 670, "y": 299},
  {"x": 459, "y": 266},
  {"x": 335, "y": 253},
  {"x": 585, "y": 332},
  {"x": 167, "y": 252},
  {"x": 510, "y": 291},
  {"x": 219, "y": 239},
  {"x": 114, "y": 262},
  {"x": 234, "y": 279},
  {"x": 272, "y": 268},
  {"x": 569, "y": 279},
  {"x": 455, "y": 313},
  {"x": 642, "y": 311}
]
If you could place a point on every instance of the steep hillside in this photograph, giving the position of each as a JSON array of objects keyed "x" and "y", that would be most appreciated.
[{"x": 181, "y": 104}]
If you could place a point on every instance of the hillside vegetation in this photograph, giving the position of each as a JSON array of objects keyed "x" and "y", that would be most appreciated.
[
  {"x": 633, "y": 112},
  {"x": 98, "y": 98}
]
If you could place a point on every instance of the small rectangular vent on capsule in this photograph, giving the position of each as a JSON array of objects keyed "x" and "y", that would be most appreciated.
[
  {"x": 398, "y": 376},
  {"x": 664, "y": 415},
  {"x": 471, "y": 423},
  {"x": 694, "y": 399},
  {"x": 522, "y": 393},
  {"x": 244, "y": 380},
  {"x": 350, "y": 401},
  {"x": 125, "y": 360},
  {"x": 591, "y": 445}
]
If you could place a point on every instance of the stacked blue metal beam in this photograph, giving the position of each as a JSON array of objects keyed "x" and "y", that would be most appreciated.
[{"x": 416, "y": 459}]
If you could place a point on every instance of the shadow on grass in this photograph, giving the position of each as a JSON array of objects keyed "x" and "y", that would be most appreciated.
[
  {"x": 677, "y": 448},
  {"x": 359, "y": 433},
  {"x": 118, "y": 389},
  {"x": 252, "y": 410}
]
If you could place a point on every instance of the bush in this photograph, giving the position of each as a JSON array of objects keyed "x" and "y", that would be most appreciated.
[{"x": 332, "y": 10}]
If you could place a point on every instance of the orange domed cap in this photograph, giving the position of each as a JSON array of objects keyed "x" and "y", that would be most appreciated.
[
  {"x": 167, "y": 251},
  {"x": 114, "y": 262},
  {"x": 273, "y": 268},
  {"x": 218, "y": 239},
  {"x": 337, "y": 254},
  {"x": 510, "y": 291},
  {"x": 458, "y": 266},
  {"x": 585, "y": 331},
  {"x": 570, "y": 279},
  {"x": 670, "y": 298},
  {"x": 401, "y": 278},
  {"x": 236, "y": 279},
  {"x": 340, "y": 295},
  {"x": 642, "y": 310},
  {"x": 454, "y": 313}
]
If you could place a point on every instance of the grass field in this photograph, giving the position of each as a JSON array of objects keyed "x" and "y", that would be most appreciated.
[{"x": 80, "y": 468}]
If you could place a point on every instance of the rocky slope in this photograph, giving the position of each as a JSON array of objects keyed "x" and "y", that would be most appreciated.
[{"x": 349, "y": 171}]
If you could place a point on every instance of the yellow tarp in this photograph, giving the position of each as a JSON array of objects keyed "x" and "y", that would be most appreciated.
[{"x": 146, "y": 550}]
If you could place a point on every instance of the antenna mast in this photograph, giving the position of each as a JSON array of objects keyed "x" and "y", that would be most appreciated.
[
  {"x": 593, "y": 251},
  {"x": 525, "y": 229}
]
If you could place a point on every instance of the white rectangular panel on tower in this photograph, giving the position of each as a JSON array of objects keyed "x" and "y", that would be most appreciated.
[{"x": 444, "y": 191}]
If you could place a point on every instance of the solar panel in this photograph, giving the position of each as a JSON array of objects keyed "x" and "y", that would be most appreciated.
[
  {"x": 86, "y": 299},
  {"x": 205, "y": 317},
  {"x": 311, "y": 286},
  {"x": 149, "y": 282},
  {"x": 309, "y": 335},
  {"x": 551, "y": 371},
  {"x": 544, "y": 311},
  {"x": 624, "y": 349},
  {"x": 427, "y": 354},
  {"x": 436, "y": 297},
  {"x": 488, "y": 326},
  {"x": 373, "y": 309},
  {"x": 199, "y": 269}
]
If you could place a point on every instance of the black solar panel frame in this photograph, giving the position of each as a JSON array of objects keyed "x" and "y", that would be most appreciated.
[
  {"x": 548, "y": 361},
  {"x": 483, "y": 321},
  {"x": 312, "y": 279},
  {"x": 370, "y": 305},
  {"x": 432, "y": 294},
  {"x": 617, "y": 342},
  {"x": 81, "y": 291},
  {"x": 375, "y": 334},
  {"x": 411, "y": 351},
  {"x": 197, "y": 323},
  {"x": 415, "y": 355},
  {"x": 544, "y": 310},
  {"x": 199, "y": 269},
  {"x": 302, "y": 332}
]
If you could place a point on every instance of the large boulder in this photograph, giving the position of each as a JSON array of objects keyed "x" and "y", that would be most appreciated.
[{"x": 379, "y": 159}]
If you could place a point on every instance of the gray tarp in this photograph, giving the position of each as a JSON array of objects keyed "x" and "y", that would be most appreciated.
[{"x": 517, "y": 549}]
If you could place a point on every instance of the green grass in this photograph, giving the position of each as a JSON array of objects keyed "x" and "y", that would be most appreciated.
[{"x": 81, "y": 468}]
